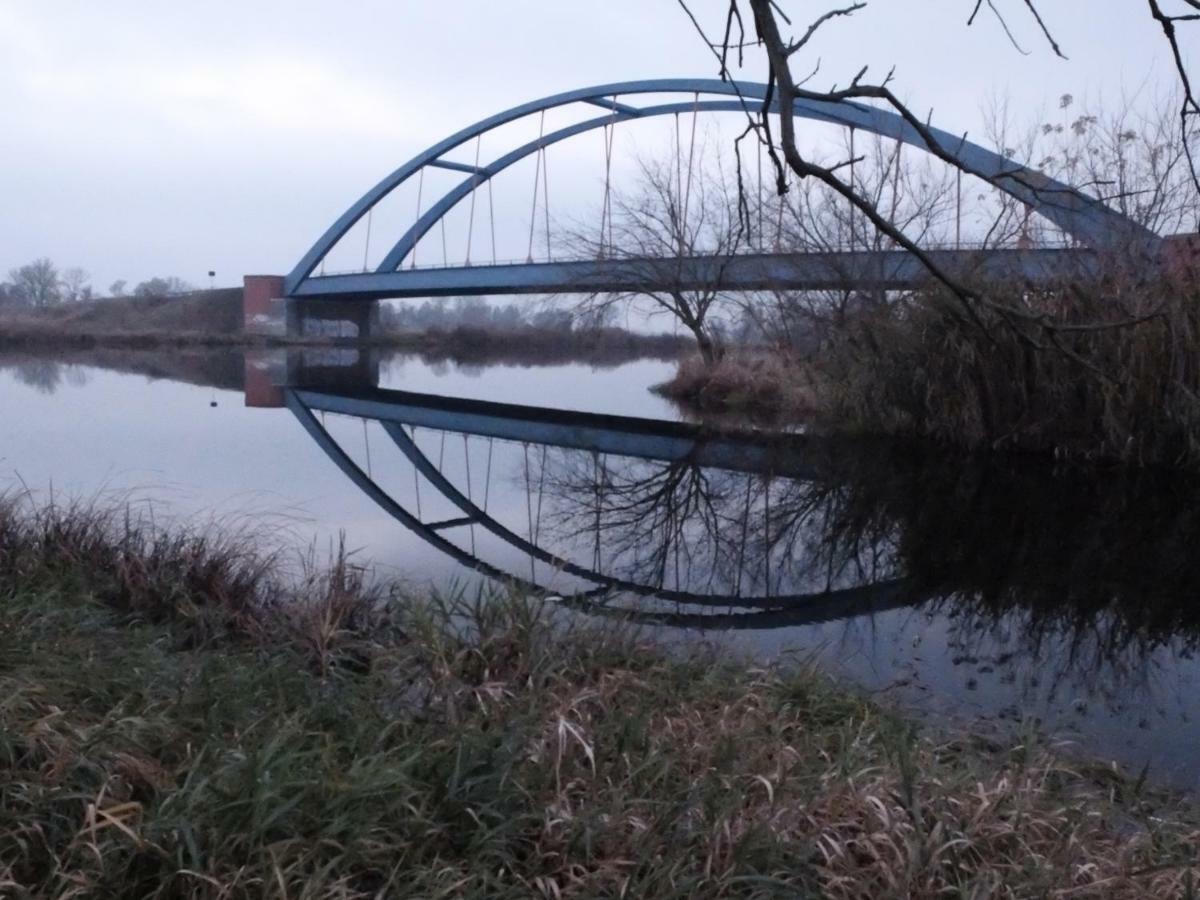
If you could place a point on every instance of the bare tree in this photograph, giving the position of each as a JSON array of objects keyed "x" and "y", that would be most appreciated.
[
  {"x": 162, "y": 287},
  {"x": 75, "y": 285},
  {"x": 1134, "y": 159},
  {"x": 36, "y": 284},
  {"x": 668, "y": 216},
  {"x": 1189, "y": 106},
  {"x": 790, "y": 160},
  {"x": 919, "y": 199}
]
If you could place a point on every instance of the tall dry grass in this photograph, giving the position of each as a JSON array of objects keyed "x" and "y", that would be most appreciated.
[
  {"x": 743, "y": 381},
  {"x": 1115, "y": 375},
  {"x": 315, "y": 740}
]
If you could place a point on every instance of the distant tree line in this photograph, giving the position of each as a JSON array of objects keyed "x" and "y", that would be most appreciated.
[
  {"x": 445, "y": 314},
  {"x": 41, "y": 284}
]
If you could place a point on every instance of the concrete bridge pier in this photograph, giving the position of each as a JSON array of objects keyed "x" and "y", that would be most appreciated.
[
  {"x": 267, "y": 311},
  {"x": 357, "y": 319}
]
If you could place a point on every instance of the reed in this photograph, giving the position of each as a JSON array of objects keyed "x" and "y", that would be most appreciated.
[
  {"x": 1108, "y": 372},
  {"x": 178, "y": 719},
  {"x": 756, "y": 382}
]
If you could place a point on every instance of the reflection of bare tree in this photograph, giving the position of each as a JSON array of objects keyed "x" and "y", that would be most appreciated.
[
  {"x": 47, "y": 376},
  {"x": 706, "y": 531},
  {"x": 1085, "y": 581}
]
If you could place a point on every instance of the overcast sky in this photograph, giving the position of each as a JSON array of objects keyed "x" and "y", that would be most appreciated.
[{"x": 146, "y": 138}]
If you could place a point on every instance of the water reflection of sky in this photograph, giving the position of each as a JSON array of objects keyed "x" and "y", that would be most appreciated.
[{"x": 985, "y": 635}]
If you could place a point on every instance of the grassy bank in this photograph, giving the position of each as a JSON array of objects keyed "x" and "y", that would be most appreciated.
[
  {"x": 177, "y": 721},
  {"x": 758, "y": 383}
]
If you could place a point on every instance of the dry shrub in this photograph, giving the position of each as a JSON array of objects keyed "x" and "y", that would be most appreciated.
[
  {"x": 1091, "y": 386},
  {"x": 754, "y": 382}
]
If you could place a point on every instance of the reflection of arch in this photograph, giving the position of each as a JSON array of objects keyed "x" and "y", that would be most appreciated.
[
  {"x": 833, "y": 606},
  {"x": 651, "y": 440},
  {"x": 1084, "y": 217}
]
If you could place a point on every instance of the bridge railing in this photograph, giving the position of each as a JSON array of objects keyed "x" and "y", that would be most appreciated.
[{"x": 1061, "y": 243}]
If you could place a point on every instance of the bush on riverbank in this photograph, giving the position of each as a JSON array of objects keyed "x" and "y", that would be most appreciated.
[
  {"x": 1094, "y": 386},
  {"x": 174, "y": 721},
  {"x": 742, "y": 381}
]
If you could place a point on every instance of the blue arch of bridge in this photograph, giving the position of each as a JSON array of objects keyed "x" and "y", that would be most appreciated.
[{"x": 1084, "y": 217}]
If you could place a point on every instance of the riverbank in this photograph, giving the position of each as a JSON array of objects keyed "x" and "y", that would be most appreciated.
[
  {"x": 177, "y": 716},
  {"x": 543, "y": 345},
  {"x": 1102, "y": 372},
  {"x": 212, "y": 320}
]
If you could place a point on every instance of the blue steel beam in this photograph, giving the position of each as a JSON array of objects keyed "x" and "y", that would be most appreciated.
[
  {"x": 608, "y": 103},
  {"x": 1078, "y": 214},
  {"x": 887, "y": 270},
  {"x": 864, "y": 600},
  {"x": 626, "y": 436},
  {"x": 456, "y": 167}
]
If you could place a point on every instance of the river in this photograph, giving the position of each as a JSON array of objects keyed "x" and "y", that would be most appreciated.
[{"x": 999, "y": 592}]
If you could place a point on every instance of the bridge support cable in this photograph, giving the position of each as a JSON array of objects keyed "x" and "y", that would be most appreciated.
[
  {"x": 767, "y": 548},
  {"x": 687, "y": 194},
  {"x": 467, "y": 464},
  {"x": 780, "y": 201},
  {"x": 420, "y": 191},
  {"x": 546, "y": 201},
  {"x": 529, "y": 510},
  {"x": 541, "y": 494},
  {"x": 596, "y": 489},
  {"x": 367, "y": 244},
  {"x": 679, "y": 183},
  {"x": 537, "y": 173},
  {"x": 492, "y": 219},
  {"x": 609, "y": 133},
  {"x": 853, "y": 224},
  {"x": 761, "y": 231},
  {"x": 487, "y": 478},
  {"x": 416, "y": 476},
  {"x": 367, "y": 448},
  {"x": 896, "y": 183},
  {"x": 474, "y": 191},
  {"x": 958, "y": 211},
  {"x": 741, "y": 564}
]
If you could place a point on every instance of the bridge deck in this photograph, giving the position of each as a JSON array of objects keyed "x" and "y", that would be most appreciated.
[{"x": 860, "y": 270}]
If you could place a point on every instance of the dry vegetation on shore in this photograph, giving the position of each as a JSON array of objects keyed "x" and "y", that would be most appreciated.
[
  {"x": 177, "y": 722},
  {"x": 1116, "y": 379},
  {"x": 772, "y": 385}
]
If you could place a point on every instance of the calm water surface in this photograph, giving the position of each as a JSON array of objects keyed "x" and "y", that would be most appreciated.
[{"x": 1006, "y": 591}]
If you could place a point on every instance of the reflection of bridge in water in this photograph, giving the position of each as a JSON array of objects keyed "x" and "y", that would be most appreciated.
[
  {"x": 684, "y": 525},
  {"x": 707, "y": 500},
  {"x": 1038, "y": 585}
]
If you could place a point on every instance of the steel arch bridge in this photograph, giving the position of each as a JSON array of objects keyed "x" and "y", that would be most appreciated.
[{"x": 1086, "y": 219}]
